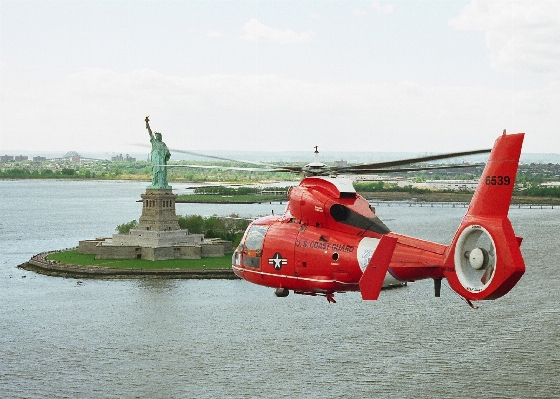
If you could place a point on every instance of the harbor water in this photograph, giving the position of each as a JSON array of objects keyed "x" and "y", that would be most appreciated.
[{"x": 66, "y": 338}]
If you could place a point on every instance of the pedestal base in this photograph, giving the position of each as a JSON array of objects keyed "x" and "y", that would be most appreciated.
[{"x": 158, "y": 211}]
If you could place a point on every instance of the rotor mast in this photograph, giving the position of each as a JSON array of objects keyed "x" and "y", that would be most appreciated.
[{"x": 315, "y": 168}]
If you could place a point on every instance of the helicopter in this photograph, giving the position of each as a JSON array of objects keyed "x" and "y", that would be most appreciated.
[{"x": 329, "y": 240}]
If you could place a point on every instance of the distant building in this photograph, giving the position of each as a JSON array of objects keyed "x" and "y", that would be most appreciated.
[
  {"x": 71, "y": 154},
  {"x": 458, "y": 185},
  {"x": 39, "y": 159},
  {"x": 120, "y": 158},
  {"x": 340, "y": 164},
  {"x": 19, "y": 158},
  {"x": 6, "y": 158}
]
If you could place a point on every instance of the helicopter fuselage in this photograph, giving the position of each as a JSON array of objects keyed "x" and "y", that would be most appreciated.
[{"x": 324, "y": 241}]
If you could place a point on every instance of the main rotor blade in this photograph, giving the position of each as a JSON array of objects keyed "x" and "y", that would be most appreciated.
[
  {"x": 379, "y": 165},
  {"x": 220, "y": 167},
  {"x": 197, "y": 154},
  {"x": 264, "y": 166},
  {"x": 213, "y": 157},
  {"x": 358, "y": 171}
]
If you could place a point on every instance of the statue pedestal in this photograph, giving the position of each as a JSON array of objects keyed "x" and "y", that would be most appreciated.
[
  {"x": 158, "y": 211},
  {"x": 157, "y": 236},
  {"x": 159, "y": 224}
]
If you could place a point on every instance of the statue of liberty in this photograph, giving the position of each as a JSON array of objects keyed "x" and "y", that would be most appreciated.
[{"x": 159, "y": 156}]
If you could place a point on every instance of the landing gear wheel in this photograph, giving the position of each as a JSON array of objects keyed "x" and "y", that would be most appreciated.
[{"x": 281, "y": 292}]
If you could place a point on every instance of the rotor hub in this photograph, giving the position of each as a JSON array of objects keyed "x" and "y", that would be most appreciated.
[{"x": 478, "y": 258}]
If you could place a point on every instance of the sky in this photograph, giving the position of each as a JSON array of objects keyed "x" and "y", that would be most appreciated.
[{"x": 377, "y": 75}]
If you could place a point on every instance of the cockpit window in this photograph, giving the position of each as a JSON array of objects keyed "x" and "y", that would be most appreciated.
[
  {"x": 255, "y": 238},
  {"x": 252, "y": 247}
]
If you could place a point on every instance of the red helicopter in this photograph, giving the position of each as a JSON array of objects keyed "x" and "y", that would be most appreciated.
[{"x": 329, "y": 239}]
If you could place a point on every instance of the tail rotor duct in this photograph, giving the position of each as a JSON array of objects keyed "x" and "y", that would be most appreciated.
[{"x": 475, "y": 258}]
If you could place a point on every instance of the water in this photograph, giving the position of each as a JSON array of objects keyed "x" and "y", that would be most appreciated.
[{"x": 229, "y": 338}]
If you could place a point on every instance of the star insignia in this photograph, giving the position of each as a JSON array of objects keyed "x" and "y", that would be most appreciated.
[{"x": 277, "y": 261}]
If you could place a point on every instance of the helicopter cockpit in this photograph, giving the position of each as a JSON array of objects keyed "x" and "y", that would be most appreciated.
[{"x": 251, "y": 245}]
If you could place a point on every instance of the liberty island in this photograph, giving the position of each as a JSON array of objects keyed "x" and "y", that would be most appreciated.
[{"x": 157, "y": 236}]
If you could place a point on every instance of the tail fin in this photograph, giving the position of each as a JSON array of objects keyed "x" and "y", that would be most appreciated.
[
  {"x": 374, "y": 274},
  {"x": 484, "y": 260}
]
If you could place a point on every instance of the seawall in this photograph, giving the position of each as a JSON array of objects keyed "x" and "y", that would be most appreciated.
[{"x": 39, "y": 264}]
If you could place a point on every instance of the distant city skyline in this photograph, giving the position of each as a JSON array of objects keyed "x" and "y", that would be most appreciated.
[
  {"x": 279, "y": 156},
  {"x": 376, "y": 75}
]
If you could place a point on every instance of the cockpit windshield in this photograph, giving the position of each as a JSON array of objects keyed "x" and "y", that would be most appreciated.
[
  {"x": 254, "y": 238},
  {"x": 250, "y": 248}
]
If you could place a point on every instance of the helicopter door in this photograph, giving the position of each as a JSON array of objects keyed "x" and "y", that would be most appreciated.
[
  {"x": 301, "y": 252},
  {"x": 278, "y": 251}
]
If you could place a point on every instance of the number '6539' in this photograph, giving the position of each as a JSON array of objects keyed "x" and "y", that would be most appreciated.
[{"x": 498, "y": 180}]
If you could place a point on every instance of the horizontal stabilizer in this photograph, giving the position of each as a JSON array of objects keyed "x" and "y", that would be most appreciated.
[{"x": 374, "y": 274}]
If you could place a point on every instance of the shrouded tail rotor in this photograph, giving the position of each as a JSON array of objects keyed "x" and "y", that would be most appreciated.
[
  {"x": 485, "y": 261},
  {"x": 475, "y": 258}
]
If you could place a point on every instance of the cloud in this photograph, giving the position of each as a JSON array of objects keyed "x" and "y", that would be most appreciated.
[
  {"x": 376, "y": 7},
  {"x": 521, "y": 36},
  {"x": 359, "y": 13},
  {"x": 215, "y": 34},
  {"x": 100, "y": 109},
  {"x": 256, "y": 31},
  {"x": 382, "y": 8}
]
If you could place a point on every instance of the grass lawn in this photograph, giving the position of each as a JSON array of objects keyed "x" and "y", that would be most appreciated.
[
  {"x": 73, "y": 257},
  {"x": 249, "y": 199}
]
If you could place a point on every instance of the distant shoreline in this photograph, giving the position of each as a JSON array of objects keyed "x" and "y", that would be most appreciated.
[
  {"x": 434, "y": 196},
  {"x": 387, "y": 196},
  {"x": 452, "y": 197}
]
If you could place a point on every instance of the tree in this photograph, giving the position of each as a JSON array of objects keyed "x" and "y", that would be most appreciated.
[
  {"x": 229, "y": 228},
  {"x": 194, "y": 223},
  {"x": 68, "y": 172},
  {"x": 126, "y": 227}
]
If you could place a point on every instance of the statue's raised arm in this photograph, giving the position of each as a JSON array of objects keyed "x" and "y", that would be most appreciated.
[{"x": 148, "y": 126}]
